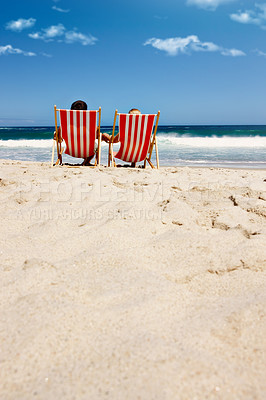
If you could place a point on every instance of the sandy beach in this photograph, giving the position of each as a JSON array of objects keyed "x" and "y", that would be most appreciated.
[{"x": 132, "y": 284}]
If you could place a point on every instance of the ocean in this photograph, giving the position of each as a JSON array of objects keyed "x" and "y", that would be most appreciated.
[{"x": 212, "y": 146}]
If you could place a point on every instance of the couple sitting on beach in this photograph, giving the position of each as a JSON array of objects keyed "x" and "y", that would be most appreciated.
[{"x": 81, "y": 105}]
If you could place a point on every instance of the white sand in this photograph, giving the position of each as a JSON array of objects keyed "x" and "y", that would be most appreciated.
[{"x": 132, "y": 284}]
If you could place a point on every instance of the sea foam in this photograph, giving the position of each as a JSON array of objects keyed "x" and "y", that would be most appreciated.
[
  {"x": 165, "y": 141},
  {"x": 212, "y": 142},
  {"x": 44, "y": 143}
]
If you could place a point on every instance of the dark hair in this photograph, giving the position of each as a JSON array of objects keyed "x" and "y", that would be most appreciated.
[{"x": 79, "y": 105}]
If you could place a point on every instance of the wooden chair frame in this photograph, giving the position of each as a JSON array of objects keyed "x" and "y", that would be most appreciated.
[
  {"x": 58, "y": 141},
  {"x": 111, "y": 161}
]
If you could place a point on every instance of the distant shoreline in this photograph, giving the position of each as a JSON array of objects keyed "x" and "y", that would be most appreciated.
[
  {"x": 179, "y": 145},
  {"x": 159, "y": 126},
  {"x": 128, "y": 168}
]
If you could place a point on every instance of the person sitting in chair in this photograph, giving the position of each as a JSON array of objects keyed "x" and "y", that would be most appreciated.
[
  {"x": 81, "y": 105},
  {"x": 132, "y": 111},
  {"x": 116, "y": 138}
]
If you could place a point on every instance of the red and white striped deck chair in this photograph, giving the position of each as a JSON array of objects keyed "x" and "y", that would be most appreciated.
[
  {"x": 137, "y": 138},
  {"x": 79, "y": 130}
]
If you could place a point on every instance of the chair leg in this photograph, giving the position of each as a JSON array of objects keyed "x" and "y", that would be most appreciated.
[
  {"x": 96, "y": 162},
  {"x": 109, "y": 155},
  {"x": 157, "y": 153},
  {"x": 59, "y": 158},
  {"x": 151, "y": 164},
  {"x": 61, "y": 154},
  {"x": 52, "y": 161},
  {"x": 112, "y": 158}
]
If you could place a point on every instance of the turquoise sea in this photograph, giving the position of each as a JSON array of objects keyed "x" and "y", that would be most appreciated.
[{"x": 217, "y": 146}]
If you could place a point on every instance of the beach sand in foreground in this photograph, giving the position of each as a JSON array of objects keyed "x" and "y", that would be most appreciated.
[{"x": 132, "y": 284}]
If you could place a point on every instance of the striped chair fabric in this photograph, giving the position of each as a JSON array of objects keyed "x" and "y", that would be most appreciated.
[
  {"x": 135, "y": 135},
  {"x": 79, "y": 131}
]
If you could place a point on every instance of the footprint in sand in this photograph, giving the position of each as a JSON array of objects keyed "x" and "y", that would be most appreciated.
[
  {"x": 119, "y": 184},
  {"x": 36, "y": 263}
]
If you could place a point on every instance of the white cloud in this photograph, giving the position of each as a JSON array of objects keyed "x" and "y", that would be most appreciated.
[
  {"x": 54, "y": 31},
  {"x": 46, "y": 55},
  {"x": 8, "y": 49},
  {"x": 49, "y": 33},
  {"x": 35, "y": 35},
  {"x": 204, "y": 46},
  {"x": 73, "y": 36},
  {"x": 260, "y": 53},
  {"x": 255, "y": 17},
  {"x": 246, "y": 17},
  {"x": 59, "y": 32},
  {"x": 208, "y": 4},
  {"x": 62, "y": 10},
  {"x": 186, "y": 45},
  {"x": 20, "y": 24},
  {"x": 232, "y": 52},
  {"x": 172, "y": 46}
]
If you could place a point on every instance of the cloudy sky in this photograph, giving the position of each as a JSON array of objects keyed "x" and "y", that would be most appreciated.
[{"x": 198, "y": 61}]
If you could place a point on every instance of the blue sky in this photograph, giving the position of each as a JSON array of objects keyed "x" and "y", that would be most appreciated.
[{"x": 198, "y": 61}]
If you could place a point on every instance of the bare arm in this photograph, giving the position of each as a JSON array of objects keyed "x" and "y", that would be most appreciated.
[
  {"x": 116, "y": 138},
  {"x": 107, "y": 138}
]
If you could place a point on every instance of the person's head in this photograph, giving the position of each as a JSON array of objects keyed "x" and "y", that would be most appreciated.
[
  {"x": 134, "y": 111},
  {"x": 79, "y": 105}
]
